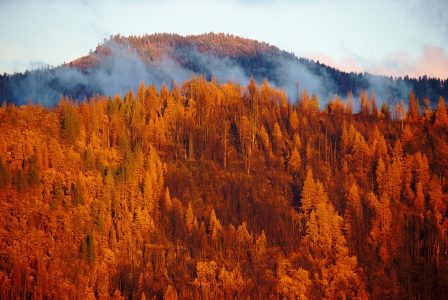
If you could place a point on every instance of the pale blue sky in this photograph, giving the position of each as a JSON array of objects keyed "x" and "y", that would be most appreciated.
[{"x": 392, "y": 37}]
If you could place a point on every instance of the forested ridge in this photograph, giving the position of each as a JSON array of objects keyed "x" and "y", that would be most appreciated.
[
  {"x": 121, "y": 62},
  {"x": 213, "y": 190}
]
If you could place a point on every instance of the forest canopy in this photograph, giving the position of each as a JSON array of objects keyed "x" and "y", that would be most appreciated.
[{"x": 212, "y": 190}]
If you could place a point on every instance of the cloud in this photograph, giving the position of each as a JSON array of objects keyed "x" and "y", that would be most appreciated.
[
  {"x": 432, "y": 62},
  {"x": 435, "y": 12},
  {"x": 290, "y": 71},
  {"x": 346, "y": 64}
]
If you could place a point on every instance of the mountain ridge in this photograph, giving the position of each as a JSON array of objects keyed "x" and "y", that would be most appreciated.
[{"x": 164, "y": 57}]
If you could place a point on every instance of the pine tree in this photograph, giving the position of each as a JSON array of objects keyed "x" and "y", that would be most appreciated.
[
  {"x": 190, "y": 219},
  {"x": 79, "y": 192},
  {"x": 294, "y": 162},
  {"x": 419, "y": 200},
  {"x": 214, "y": 226},
  {"x": 277, "y": 137},
  {"x": 70, "y": 123},
  {"x": 381, "y": 177},
  {"x": 308, "y": 192},
  {"x": 294, "y": 121},
  {"x": 385, "y": 111},
  {"x": 413, "y": 107},
  {"x": 264, "y": 138},
  {"x": 4, "y": 175},
  {"x": 168, "y": 203},
  {"x": 441, "y": 117}
]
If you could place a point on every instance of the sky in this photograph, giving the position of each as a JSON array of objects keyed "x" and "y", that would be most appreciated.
[{"x": 393, "y": 37}]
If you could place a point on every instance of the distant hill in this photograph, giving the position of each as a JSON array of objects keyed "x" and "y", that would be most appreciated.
[{"x": 120, "y": 63}]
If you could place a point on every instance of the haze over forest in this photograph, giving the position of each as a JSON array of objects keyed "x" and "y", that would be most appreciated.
[{"x": 120, "y": 63}]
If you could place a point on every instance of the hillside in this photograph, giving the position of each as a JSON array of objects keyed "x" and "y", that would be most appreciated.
[
  {"x": 221, "y": 191},
  {"x": 119, "y": 63}
]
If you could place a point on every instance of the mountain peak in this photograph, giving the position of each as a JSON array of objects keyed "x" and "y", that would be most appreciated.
[{"x": 151, "y": 47}]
